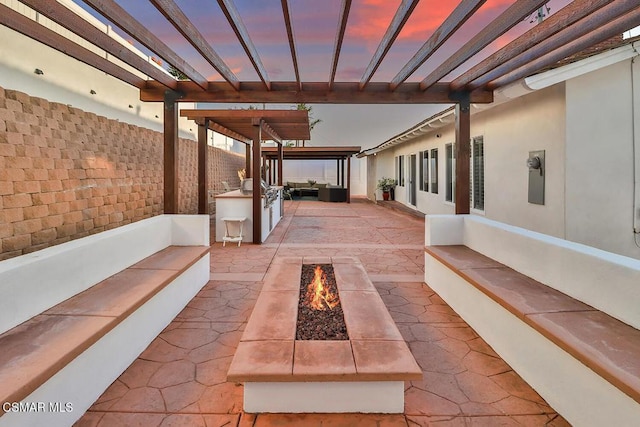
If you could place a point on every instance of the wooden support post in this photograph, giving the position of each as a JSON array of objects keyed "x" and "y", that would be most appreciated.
[
  {"x": 280, "y": 158},
  {"x": 349, "y": 179},
  {"x": 342, "y": 173},
  {"x": 337, "y": 171},
  {"x": 257, "y": 190},
  {"x": 263, "y": 169},
  {"x": 203, "y": 169},
  {"x": 247, "y": 158},
  {"x": 463, "y": 154},
  {"x": 170, "y": 152}
]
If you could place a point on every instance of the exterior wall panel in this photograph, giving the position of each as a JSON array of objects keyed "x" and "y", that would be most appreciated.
[{"x": 600, "y": 180}]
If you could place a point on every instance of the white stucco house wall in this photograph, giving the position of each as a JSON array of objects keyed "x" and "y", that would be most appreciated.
[{"x": 585, "y": 115}]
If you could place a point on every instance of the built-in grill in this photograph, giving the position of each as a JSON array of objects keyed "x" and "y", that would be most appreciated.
[{"x": 270, "y": 193}]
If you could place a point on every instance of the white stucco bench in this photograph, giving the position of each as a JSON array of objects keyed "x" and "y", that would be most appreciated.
[
  {"x": 563, "y": 315},
  {"x": 73, "y": 317}
]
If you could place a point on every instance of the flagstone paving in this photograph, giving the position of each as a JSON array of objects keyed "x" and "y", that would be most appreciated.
[{"x": 180, "y": 379}]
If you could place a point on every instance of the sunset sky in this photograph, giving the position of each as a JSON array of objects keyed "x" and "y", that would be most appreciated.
[{"x": 315, "y": 24}]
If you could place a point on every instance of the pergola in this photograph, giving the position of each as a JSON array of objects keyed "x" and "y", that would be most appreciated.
[
  {"x": 340, "y": 154},
  {"x": 579, "y": 25},
  {"x": 250, "y": 127}
]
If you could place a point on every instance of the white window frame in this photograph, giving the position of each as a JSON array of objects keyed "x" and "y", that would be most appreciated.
[
  {"x": 479, "y": 180},
  {"x": 450, "y": 170}
]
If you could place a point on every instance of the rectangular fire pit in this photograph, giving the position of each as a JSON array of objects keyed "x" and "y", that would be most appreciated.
[{"x": 281, "y": 374}]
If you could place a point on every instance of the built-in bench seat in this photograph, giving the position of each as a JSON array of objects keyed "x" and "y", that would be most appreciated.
[
  {"x": 563, "y": 315},
  {"x": 72, "y": 351},
  {"x": 36, "y": 350},
  {"x": 608, "y": 346}
]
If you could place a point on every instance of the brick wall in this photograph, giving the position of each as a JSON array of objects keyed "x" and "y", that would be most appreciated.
[{"x": 66, "y": 173}]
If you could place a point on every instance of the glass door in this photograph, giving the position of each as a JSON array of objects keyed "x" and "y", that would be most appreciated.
[{"x": 412, "y": 179}]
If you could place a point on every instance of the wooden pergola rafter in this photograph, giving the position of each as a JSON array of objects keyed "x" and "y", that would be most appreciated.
[
  {"x": 581, "y": 24},
  {"x": 179, "y": 20},
  {"x": 400, "y": 18},
  {"x": 342, "y": 28},
  {"x": 113, "y": 12},
  {"x": 574, "y": 21},
  {"x": 292, "y": 41},
  {"x": 230, "y": 11}
]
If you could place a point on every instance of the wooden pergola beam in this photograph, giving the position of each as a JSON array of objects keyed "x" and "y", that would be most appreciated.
[
  {"x": 613, "y": 28},
  {"x": 565, "y": 17},
  {"x": 459, "y": 16},
  {"x": 179, "y": 20},
  {"x": 230, "y": 11},
  {"x": 397, "y": 23},
  {"x": 62, "y": 15},
  {"x": 594, "y": 22},
  {"x": 203, "y": 169},
  {"x": 337, "y": 47},
  {"x": 463, "y": 155},
  {"x": 318, "y": 93},
  {"x": 27, "y": 26},
  {"x": 277, "y": 125},
  {"x": 293, "y": 116},
  {"x": 171, "y": 169},
  {"x": 116, "y": 14},
  {"x": 280, "y": 160},
  {"x": 224, "y": 131},
  {"x": 271, "y": 132},
  {"x": 257, "y": 176},
  {"x": 503, "y": 23},
  {"x": 348, "y": 179},
  {"x": 292, "y": 42},
  {"x": 247, "y": 160}
]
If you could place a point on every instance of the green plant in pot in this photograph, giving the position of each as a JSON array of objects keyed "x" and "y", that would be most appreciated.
[{"x": 386, "y": 185}]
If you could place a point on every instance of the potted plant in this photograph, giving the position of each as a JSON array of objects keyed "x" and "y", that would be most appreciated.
[{"x": 386, "y": 185}]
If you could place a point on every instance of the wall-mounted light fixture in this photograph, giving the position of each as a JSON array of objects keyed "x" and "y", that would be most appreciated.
[
  {"x": 38, "y": 71},
  {"x": 130, "y": 106},
  {"x": 534, "y": 163},
  {"x": 157, "y": 117},
  {"x": 92, "y": 92},
  {"x": 537, "y": 170}
]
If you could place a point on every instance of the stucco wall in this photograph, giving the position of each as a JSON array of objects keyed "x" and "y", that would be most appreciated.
[
  {"x": 69, "y": 81},
  {"x": 600, "y": 162},
  {"x": 532, "y": 122},
  {"x": 66, "y": 173}
]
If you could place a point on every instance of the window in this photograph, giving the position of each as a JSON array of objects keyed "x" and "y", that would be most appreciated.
[
  {"x": 450, "y": 172},
  {"x": 434, "y": 170},
  {"x": 397, "y": 170},
  {"x": 424, "y": 170},
  {"x": 477, "y": 173},
  {"x": 400, "y": 170}
]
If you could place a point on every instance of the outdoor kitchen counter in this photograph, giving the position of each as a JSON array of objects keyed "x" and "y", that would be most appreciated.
[
  {"x": 236, "y": 204},
  {"x": 235, "y": 194}
]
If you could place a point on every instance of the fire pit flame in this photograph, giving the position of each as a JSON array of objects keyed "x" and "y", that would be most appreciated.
[{"x": 319, "y": 297}]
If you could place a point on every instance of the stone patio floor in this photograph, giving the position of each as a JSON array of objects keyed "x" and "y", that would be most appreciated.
[{"x": 180, "y": 379}]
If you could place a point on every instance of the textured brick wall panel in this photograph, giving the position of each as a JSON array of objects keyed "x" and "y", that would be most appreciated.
[{"x": 66, "y": 173}]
